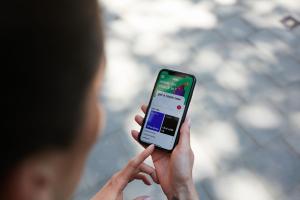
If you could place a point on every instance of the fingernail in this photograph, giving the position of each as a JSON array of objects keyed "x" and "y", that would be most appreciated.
[{"x": 148, "y": 198}]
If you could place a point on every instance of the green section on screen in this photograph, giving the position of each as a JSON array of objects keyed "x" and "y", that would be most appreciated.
[{"x": 174, "y": 84}]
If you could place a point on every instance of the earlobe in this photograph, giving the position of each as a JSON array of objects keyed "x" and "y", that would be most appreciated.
[
  {"x": 31, "y": 180},
  {"x": 42, "y": 182}
]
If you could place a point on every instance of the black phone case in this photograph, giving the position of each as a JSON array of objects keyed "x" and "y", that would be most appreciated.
[{"x": 184, "y": 113}]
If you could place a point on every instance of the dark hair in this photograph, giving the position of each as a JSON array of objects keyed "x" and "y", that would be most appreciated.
[{"x": 54, "y": 49}]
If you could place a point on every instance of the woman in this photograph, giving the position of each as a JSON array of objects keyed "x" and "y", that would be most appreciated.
[{"x": 56, "y": 49}]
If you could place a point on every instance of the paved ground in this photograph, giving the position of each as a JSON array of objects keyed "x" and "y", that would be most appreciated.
[{"x": 246, "y": 107}]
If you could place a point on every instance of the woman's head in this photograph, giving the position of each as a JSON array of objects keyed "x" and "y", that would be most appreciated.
[{"x": 56, "y": 50}]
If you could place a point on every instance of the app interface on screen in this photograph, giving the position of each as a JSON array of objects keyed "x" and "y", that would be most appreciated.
[{"x": 167, "y": 107}]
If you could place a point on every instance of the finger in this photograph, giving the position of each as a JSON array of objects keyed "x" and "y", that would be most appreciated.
[
  {"x": 139, "y": 119},
  {"x": 150, "y": 171},
  {"x": 144, "y": 108},
  {"x": 139, "y": 159},
  {"x": 135, "y": 134},
  {"x": 143, "y": 178},
  {"x": 184, "y": 139},
  {"x": 134, "y": 164}
]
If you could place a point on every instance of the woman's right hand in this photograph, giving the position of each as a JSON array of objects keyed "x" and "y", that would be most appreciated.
[
  {"x": 135, "y": 169},
  {"x": 174, "y": 171}
]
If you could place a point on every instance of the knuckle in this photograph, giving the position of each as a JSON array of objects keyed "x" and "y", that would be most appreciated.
[{"x": 132, "y": 163}]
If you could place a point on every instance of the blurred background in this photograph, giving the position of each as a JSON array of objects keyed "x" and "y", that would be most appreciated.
[{"x": 246, "y": 105}]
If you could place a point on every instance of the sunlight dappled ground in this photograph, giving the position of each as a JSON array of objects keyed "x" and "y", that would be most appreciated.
[{"x": 245, "y": 109}]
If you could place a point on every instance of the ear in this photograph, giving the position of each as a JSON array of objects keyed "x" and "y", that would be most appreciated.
[{"x": 33, "y": 179}]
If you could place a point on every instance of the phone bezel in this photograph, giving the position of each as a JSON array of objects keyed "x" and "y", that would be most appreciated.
[{"x": 177, "y": 73}]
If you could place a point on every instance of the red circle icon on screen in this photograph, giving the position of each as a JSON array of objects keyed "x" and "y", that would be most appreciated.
[{"x": 178, "y": 107}]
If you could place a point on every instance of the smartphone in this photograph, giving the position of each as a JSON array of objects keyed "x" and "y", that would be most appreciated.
[{"x": 167, "y": 109}]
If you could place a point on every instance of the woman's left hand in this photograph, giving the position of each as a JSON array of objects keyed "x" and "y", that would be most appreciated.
[{"x": 135, "y": 169}]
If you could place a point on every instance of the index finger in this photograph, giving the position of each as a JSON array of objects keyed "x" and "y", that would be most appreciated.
[
  {"x": 134, "y": 164},
  {"x": 139, "y": 159}
]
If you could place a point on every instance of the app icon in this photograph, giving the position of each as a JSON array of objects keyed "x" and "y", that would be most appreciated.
[
  {"x": 155, "y": 121},
  {"x": 169, "y": 125}
]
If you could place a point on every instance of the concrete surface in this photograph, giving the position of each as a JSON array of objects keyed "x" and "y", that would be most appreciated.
[{"x": 246, "y": 106}]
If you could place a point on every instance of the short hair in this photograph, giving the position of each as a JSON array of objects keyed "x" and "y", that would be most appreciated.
[{"x": 53, "y": 49}]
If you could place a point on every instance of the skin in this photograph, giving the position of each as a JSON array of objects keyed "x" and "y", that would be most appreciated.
[
  {"x": 54, "y": 174},
  {"x": 174, "y": 171}
]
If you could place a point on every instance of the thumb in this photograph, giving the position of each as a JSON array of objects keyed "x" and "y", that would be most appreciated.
[{"x": 184, "y": 139}]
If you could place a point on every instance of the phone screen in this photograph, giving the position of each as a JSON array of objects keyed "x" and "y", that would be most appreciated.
[{"x": 168, "y": 106}]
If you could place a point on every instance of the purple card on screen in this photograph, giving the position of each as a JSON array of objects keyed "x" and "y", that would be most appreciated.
[{"x": 155, "y": 120}]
